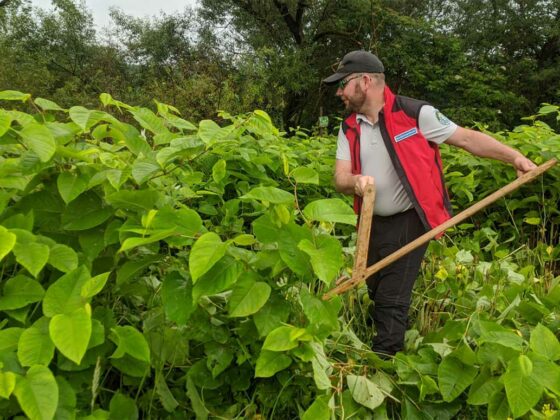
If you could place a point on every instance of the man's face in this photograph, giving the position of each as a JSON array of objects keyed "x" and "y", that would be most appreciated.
[{"x": 351, "y": 93}]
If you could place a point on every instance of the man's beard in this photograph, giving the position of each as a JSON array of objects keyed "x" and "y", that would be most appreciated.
[{"x": 357, "y": 102}]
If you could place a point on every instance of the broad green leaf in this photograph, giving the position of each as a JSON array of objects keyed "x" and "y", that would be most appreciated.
[
  {"x": 498, "y": 407},
  {"x": 326, "y": 256},
  {"x": 64, "y": 295},
  {"x": 244, "y": 240},
  {"x": 319, "y": 410},
  {"x": 491, "y": 332},
  {"x": 220, "y": 277},
  {"x": 94, "y": 285},
  {"x": 271, "y": 362},
  {"x": 70, "y": 333},
  {"x": 130, "y": 341},
  {"x": 197, "y": 404},
  {"x": 185, "y": 221},
  {"x": 543, "y": 341},
  {"x": 219, "y": 170},
  {"x": 7, "y": 242},
  {"x": 265, "y": 230},
  {"x": 7, "y": 384},
  {"x": 304, "y": 175},
  {"x": 482, "y": 389},
  {"x": 321, "y": 368},
  {"x": 134, "y": 268},
  {"x": 37, "y": 393},
  {"x": 66, "y": 400},
  {"x": 210, "y": 132},
  {"x": 80, "y": 116},
  {"x": 180, "y": 123},
  {"x": 332, "y": 210},
  {"x": 248, "y": 296},
  {"x": 283, "y": 338},
  {"x": 14, "y": 95},
  {"x": 85, "y": 212},
  {"x": 272, "y": 315},
  {"x": 9, "y": 338},
  {"x": 322, "y": 315},
  {"x": 33, "y": 256},
  {"x": 35, "y": 347},
  {"x": 155, "y": 236},
  {"x": 219, "y": 357},
  {"x": 144, "y": 169},
  {"x": 47, "y": 105},
  {"x": 71, "y": 185},
  {"x": 546, "y": 372},
  {"x": 134, "y": 200},
  {"x": 177, "y": 298},
  {"x": 365, "y": 392},
  {"x": 523, "y": 390},
  {"x": 270, "y": 194},
  {"x": 206, "y": 251},
  {"x": 454, "y": 377},
  {"x": 63, "y": 258},
  {"x": 39, "y": 139},
  {"x": 149, "y": 120},
  {"x": 5, "y": 122},
  {"x": 20, "y": 291},
  {"x": 122, "y": 407},
  {"x": 298, "y": 261}
]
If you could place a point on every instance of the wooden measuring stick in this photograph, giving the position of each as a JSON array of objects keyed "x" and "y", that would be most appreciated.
[
  {"x": 364, "y": 230},
  {"x": 364, "y": 274}
]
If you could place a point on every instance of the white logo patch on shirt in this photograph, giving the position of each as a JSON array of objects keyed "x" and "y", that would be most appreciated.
[
  {"x": 406, "y": 134},
  {"x": 443, "y": 120}
]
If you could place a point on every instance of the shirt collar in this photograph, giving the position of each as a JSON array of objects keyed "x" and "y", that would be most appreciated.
[{"x": 361, "y": 118}]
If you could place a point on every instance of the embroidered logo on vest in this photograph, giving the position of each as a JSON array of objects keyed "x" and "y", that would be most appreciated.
[{"x": 406, "y": 134}]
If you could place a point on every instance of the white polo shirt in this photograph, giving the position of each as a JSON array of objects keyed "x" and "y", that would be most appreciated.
[{"x": 390, "y": 195}]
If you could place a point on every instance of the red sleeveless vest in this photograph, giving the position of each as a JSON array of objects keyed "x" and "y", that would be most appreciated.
[{"x": 416, "y": 160}]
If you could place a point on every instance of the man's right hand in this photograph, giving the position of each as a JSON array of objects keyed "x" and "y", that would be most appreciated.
[{"x": 362, "y": 181}]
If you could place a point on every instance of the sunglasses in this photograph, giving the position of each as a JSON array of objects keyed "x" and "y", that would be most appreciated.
[{"x": 342, "y": 84}]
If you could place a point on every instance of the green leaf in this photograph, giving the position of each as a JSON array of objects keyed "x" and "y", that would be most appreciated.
[
  {"x": 167, "y": 399},
  {"x": 319, "y": 410},
  {"x": 304, "y": 175},
  {"x": 35, "y": 346},
  {"x": 39, "y": 139},
  {"x": 271, "y": 362},
  {"x": 332, "y": 210},
  {"x": 85, "y": 212},
  {"x": 219, "y": 170},
  {"x": 210, "y": 132},
  {"x": 272, "y": 315},
  {"x": 7, "y": 242},
  {"x": 155, "y": 236},
  {"x": 33, "y": 256},
  {"x": 185, "y": 221},
  {"x": 37, "y": 393},
  {"x": 365, "y": 392},
  {"x": 220, "y": 277},
  {"x": 326, "y": 256},
  {"x": 546, "y": 372},
  {"x": 270, "y": 194},
  {"x": 454, "y": 377},
  {"x": 64, "y": 295},
  {"x": 122, "y": 407},
  {"x": 133, "y": 268},
  {"x": 523, "y": 390},
  {"x": 543, "y": 341},
  {"x": 14, "y": 95},
  {"x": 47, "y": 105},
  {"x": 7, "y": 384},
  {"x": 498, "y": 407},
  {"x": 197, "y": 404},
  {"x": 80, "y": 116},
  {"x": 63, "y": 258},
  {"x": 94, "y": 285},
  {"x": 130, "y": 341},
  {"x": 71, "y": 185},
  {"x": 177, "y": 298},
  {"x": 491, "y": 332},
  {"x": 283, "y": 338},
  {"x": 20, "y": 291},
  {"x": 9, "y": 338},
  {"x": 149, "y": 120},
  {"x": 248, "y": 295},
  {"x": 70, "y": 333},
  {"x": 134, "y": 200},
  {"x": 206, "y": 251},
  {"x": 144, "y": 169},
  {"x": 483, "y": 388},
  {"x": 5, "y": 122},
  {"x": 322, "y": 315}
]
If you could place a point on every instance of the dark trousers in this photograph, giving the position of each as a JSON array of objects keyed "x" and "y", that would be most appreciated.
[{"x": 391, "y": 288}]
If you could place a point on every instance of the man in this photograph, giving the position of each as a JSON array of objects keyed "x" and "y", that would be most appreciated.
[{"x": 392, "y": 141}]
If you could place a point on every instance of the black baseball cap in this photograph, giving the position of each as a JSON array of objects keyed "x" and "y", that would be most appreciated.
[{"x": 356, "y": 62}]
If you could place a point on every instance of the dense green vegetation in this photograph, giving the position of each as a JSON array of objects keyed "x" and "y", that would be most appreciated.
[
  {"x": 478, "y": 61},
  {"x": 152, "y": 267}
]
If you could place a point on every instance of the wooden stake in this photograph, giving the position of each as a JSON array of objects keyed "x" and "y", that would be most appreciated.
[{"x": 362, "y": 275}]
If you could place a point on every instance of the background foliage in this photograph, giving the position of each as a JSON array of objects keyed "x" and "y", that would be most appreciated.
[{"x": 489, "y": 62}]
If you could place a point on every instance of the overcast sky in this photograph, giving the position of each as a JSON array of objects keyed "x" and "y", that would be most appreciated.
[{"x": 138, "y": 8}]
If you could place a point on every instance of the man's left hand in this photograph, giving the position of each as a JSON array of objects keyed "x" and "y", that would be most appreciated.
[{"x": 523, "y": 165}]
